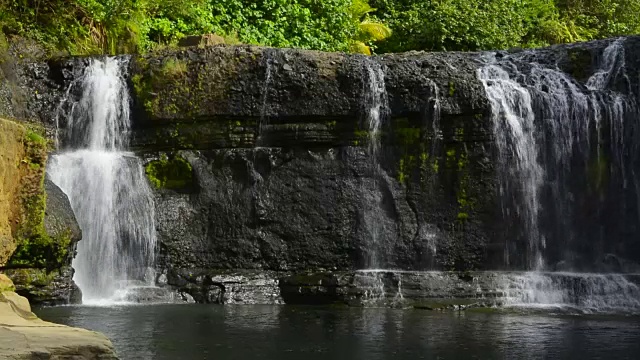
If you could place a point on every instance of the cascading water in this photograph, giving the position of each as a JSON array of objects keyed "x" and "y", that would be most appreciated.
[
  {"x": 375, "y": 103},
  {"x": 107, "y": 188},
  {"x": 544, "y": 122},
  {"x": 583, "y": 292},
  {"x": 513, "y": 123},
  {"x": 562, "y": 145}
]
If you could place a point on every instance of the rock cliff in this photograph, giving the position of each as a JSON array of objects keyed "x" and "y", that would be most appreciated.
[{"x": 264, "y": 161}]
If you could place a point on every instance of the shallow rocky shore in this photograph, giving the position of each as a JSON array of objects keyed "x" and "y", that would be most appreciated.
[{"x": 24, "y": 336}]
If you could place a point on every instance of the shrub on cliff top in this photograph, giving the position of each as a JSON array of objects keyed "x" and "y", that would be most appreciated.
[
  {"x": 499, "y": 24},
  {"x": 112, "y": 26}
]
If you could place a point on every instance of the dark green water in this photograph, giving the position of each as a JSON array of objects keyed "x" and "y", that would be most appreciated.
[{"x": 287, "y": 332}]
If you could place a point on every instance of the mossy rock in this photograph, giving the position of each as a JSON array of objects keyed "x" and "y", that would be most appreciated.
[
  {"x": 6, "y": 284},
  {"x": 174, "y": 173},
  {"x": 36, "y": 247}
]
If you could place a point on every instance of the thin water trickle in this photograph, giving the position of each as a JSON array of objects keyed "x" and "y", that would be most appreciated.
[
  {"x": 107, "y": 188},
  {"x": 375, "y": 102},
  {"x": 265, "y": 95}
]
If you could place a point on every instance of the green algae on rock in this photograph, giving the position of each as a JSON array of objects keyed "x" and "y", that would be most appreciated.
[{"x": 173, "y": 173}]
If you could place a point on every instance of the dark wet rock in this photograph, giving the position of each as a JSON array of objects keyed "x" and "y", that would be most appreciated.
[
  {"x": 227, "y": 287},
  {"x": 59, "y": 218},
  {"x": 201, "y": 40},
  {"x": 46, "y": 287}
]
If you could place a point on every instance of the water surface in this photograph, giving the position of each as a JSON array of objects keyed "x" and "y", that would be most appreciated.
[{"x": 289, "y": 332}]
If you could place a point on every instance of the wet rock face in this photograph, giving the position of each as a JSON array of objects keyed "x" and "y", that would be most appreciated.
[
  {"x": 283, "y": 210},
  {"x": 283, "y": 175},
  {"x": 278, "y": 141}
]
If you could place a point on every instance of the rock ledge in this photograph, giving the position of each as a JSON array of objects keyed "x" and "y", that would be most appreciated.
[{"x": 24, "y": 336}]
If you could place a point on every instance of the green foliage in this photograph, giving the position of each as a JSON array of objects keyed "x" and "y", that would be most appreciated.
[
  {"x": 115, "y": 26},
  {"x": 593, "y": 19},
  {"x": 170, "y": 173},
  {"x": 369, "y": 29},
  {"x": 499, "y": 24}
]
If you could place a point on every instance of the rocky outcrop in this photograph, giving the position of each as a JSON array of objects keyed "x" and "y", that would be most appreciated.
[
  {"x": 459, "y": 291},
  {"x": 38, "y": 230},
  {"x": 224, "y": 287},
  {"x": 53, "y": 285},
  {"x": 24, "y": 336},
  {"x": 262, "y": 161},
  {"x": 277, "y": 143},
  {"x": 281, "y": 175},
  {"x": 28, "y": 89}
]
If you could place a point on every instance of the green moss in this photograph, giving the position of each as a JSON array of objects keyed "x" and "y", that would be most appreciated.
[
  {"x": 35, "y": 247},
  {"x": 401, "y": 175},
  {"x": 143, "y": 89},
  {"x": 463, "y": 216},
  {"x": 452, "y": 89},
  {"x": 34, "y": 138},
  {"x": 435, "y": 166},
  {"x": 450, "y": 157},
  {"x": 459, "y": 134},
  {"x": 174, "y": 68},
  {"x": 170, "y": 173},
  {"x": 362, "y": 134},
  {"x": 466, "y": 203},
  {"x": 598, "y": 173}
]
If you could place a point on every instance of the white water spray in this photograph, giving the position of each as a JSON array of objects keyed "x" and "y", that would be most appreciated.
[{"x": 107, "y": 189}]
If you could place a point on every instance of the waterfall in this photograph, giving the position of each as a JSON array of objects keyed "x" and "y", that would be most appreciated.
[
  {"x": 107, "y": 188},
  {"x": 561, "y": 144},
  {"x": 513, "y": 125},
  {"x": 375, "y": 105}
]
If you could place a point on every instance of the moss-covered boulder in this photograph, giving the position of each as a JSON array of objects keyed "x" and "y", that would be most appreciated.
[
  {"x": 38, "y": 230},
  {"x": 51, "y": 284},
  {"x": 6, "y": 284}
]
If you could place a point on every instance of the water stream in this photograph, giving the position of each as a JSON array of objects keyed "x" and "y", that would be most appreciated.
[
  {"x": 107, "y": 189},
  {"x": 375, "y": 106},
  {"x": 560, "y": 144}
]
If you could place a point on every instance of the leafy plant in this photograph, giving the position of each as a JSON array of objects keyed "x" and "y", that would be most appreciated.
[{"x": 369, "y": 29}]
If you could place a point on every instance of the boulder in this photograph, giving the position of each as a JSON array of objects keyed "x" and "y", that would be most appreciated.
[
  {"x": 53, "y": 286},
  {"x": 24, "y": 336},
  {"x": 201, "y": 40}
]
